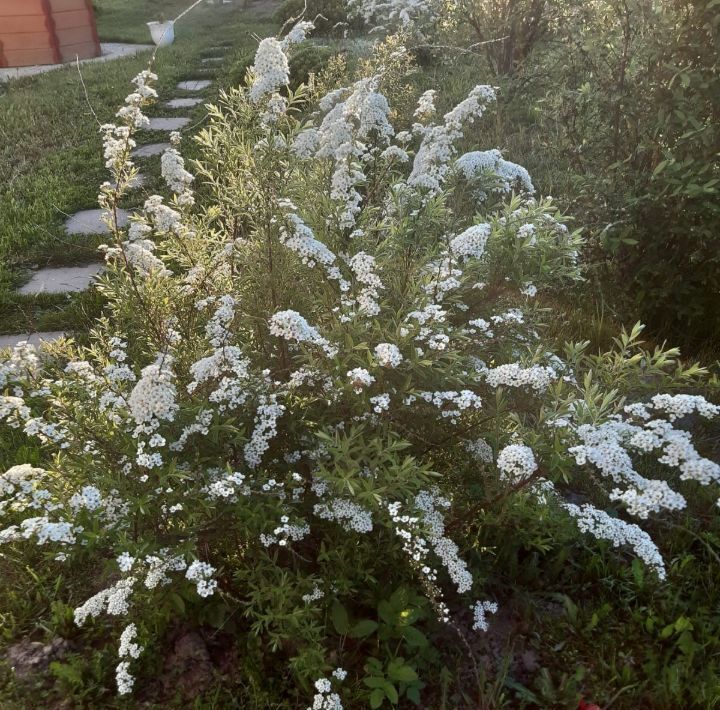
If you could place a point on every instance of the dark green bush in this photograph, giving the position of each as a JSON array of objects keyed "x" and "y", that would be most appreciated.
[
  {"x": 308, "y": 59},
  {"x": 334, "y": 20}
]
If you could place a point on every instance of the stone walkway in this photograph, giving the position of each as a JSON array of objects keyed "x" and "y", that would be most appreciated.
[
  {"x": 91, "y": 222},
  {"x": 145, "y": 151},
  {"x": 75, "y": 279},
  {"x": 109, "y": 51},
  {"x": 168, "y": 124},
  {"x": 194, "y": 85},
  {"x": 184, "y": 103},
  {"x": 61, "y": 279}
]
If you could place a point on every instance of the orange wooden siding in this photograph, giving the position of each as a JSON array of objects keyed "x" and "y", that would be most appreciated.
[{"x": 46, "y": 32}]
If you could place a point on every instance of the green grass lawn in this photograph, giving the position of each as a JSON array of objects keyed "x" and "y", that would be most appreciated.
[{"x": 50, "y": 148}]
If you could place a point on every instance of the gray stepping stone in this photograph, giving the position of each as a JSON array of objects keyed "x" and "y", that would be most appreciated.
[
  {"x": 168, "y": 124},
  {"x": 145, "y": 151},
  {"x": 194, "y": 85},
  {"x": 184, "y": 103},
  {"x": 211, "y": 60},
  {"x": 61, "y": 279},
  {"x": 10, "y": 341},
  {"x": 90, "y": 222}
]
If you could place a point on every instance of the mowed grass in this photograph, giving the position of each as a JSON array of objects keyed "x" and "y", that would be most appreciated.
[{"x": 51, "y": 161}]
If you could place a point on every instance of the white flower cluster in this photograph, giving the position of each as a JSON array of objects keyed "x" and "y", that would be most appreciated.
[
  {"x": 417, "y": 549},
  {"x": 117, "y": 140},
  {"x": 429, "y": 504},
  {"x": 325, "y": 698},
  {"x": 128, "y": 647},
  {"x": 513, "y": 374},
  {"x": 393, "y": 14},
  {"x": 300, "y": 239},
  {"x": 22, "y": 363},
  {"x": 268, "y": 412},
  {"x": 481, "y": 325},
  {"x": 158, "y": 566},
  {"x": 426, "y": 105},
  {"x": 342, "y": 136},
  {"x": 381, "y": 403},
  {"x": 351, "y": 514},
  {"x": 471, "y": 243},
  {"x": 165, "y": 219},
  {"x": 138, "y": 252},
  {"x": 480, "y": 610},
  {"x": 313, "y": 596},
  {"x": 114, "y": 600},
  {"x": 500, "y": 175},
  {"x": 360, "y": 378},
  {"x": 201, "y": 573},
  {"x": 271, "y": 70},
  {"x": 363, "y": 267},
  {"x": 516, "y": 462},
  {"x": 432, "y": 160},
  {"x": 290, "y": 325},
  {"x": 153, "y": 399},
  {"x": 480, "y": 450},
  {"x": 675, "y": 406},
  {"x": 44, "y": 530},
  {"x": 600, "y": 525},
  {"x": 229, "y": 369},
  {"x": 178, "y": 179},
  {"x": 450, "y": 403},
  {"x": 131, "y": 114},
  {"x": 124, "y": 680},
  {"x": 606, "y": 446},
  {"x": 388, "y": 355},
  {"x": 117, "y": 144},
  {"x": 284, "y": 533},
  {"x": 23, "y": 487}
]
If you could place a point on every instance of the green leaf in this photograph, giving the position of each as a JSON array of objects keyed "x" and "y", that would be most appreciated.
[
  {"x": 374, "y": 681},
  {"x": 377, "y": 697},
  {"x": 386, "y": 612},
  {"x": 340, "y": 618},
  {"x": 683, "y": 624},
  {"x": 686, "y": 643},
  {"x": 638, "y": 572},
  {"x": 391, "y": 693},
  {"x": 401, "y": 672},
  {"x": 363, "y": 628},
  {"x": 660, "y": 167},
  {"x": 415, "y": 638},
  {"x": 178, "y": 602},
  {"x": 667, "y": 631},
  {"x": 413, "y": 694},
  {"x": 521, "y": 690}
]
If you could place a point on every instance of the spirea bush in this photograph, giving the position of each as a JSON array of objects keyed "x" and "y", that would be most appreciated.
[{"x": 312, "y": 378}]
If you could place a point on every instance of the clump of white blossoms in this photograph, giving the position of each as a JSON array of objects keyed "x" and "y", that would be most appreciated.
[
  {"x": 271, "y": 69},
  {"x": 388, "y": 355},
  {"x": 310, "y": 379},
  {"x": 516, "y": 462}
]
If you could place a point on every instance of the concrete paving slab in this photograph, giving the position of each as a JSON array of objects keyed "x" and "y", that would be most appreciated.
[
  {"x": 145, "y": 151},
  {"x": 184, "y": 103},
  {"x": 194, "y": 85},
  {"x": 61, "y": 279},
  {"x": 90, "y": 222},
  {"x": 168, "y": 124},
  {"x": 10, "y": 341}
]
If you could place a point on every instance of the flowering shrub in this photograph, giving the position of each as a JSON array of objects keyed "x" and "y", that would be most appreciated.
[{"x": 310, "y": 381}]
